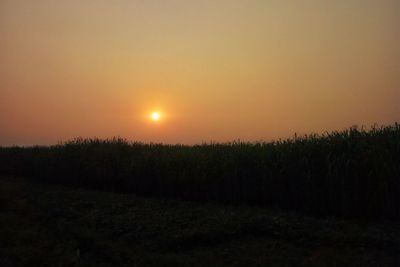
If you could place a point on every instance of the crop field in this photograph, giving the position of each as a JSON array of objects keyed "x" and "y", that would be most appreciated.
[{"x": 353, "y": 173}]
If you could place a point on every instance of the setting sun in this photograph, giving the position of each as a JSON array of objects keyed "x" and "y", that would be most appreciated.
[{"x": 155, "y": 116}]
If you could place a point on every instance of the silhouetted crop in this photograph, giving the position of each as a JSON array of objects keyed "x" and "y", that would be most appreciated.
[{"x": 351, "y": 173}]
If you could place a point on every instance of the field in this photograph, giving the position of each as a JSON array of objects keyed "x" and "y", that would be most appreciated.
[
  {"x": 317, "y": 200},
  {"x": 351, "y": 174},
  {"x": 44, "y": 225}
]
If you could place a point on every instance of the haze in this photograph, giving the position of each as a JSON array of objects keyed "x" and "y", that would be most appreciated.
[{"x": 216, "y": 70}]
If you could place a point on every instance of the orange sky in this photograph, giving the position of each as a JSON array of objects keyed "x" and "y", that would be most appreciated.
[{"x": 217, "y": 70}]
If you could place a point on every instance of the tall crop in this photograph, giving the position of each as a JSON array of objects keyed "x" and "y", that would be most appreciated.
[{"x": 351, "y": 173}]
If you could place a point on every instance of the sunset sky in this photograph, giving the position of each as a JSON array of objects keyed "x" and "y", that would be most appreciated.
[{"x": 215, "y": 70}]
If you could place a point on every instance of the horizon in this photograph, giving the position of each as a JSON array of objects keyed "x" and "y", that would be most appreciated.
[
  {"x": 294, "y": 137},
  {"x": 179, "y": 72}
]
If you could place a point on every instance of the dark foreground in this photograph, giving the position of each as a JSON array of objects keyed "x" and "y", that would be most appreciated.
[{"x": 42, "y": 225}]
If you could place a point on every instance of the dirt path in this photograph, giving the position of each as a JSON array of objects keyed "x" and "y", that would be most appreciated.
[{"x": 43, "y": 225}]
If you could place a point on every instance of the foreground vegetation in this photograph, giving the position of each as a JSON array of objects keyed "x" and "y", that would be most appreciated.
[
  {"x": 45, "y": 225},
  {"x": 352, "y": 173}
]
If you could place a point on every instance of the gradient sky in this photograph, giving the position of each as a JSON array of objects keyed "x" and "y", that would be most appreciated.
[{"x": 217, "y": 70}]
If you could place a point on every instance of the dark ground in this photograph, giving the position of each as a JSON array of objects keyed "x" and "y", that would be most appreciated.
[{"x": 42, "y": 225}]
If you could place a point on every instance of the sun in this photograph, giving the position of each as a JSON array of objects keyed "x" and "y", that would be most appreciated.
[{"x": 155, "y": 116}]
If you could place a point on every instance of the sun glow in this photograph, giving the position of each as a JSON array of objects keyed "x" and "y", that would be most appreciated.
[{"x": 155, "y": 116}]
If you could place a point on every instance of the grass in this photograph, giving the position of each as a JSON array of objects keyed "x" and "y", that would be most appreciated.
[
  {"x": 47, "y": 225},
  {"x": 351, "y": 174}
]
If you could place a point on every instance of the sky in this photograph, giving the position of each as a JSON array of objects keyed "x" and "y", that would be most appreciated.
[{"x": 218, "y": 70}]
